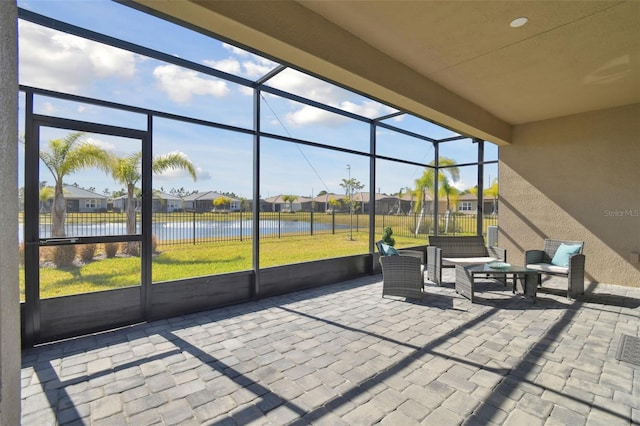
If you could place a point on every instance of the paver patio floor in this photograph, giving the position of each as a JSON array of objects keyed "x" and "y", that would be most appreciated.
[{"x": 341, "y": 354}]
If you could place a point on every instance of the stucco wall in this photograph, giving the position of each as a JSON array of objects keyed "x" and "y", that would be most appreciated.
[
  {"x": 576, "y": 178},
  {"x": 9, "y": 294}
]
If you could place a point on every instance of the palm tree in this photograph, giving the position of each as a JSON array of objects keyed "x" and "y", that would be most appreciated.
[
  {"x": 351, "y": 186},
  {"x": 446, "y": 187},
  {"x": 64, "y": 157},
  {"x": 411, "y": 192},
  {"x": 333, "y": 203},
  {"x": 289, "y": 199},
  {"x": 449, "y": 191},
  {"x": 245, "y": 205},
  {"x": 493, "y": 192},
  {"x": 127, "y": 171},
  {"x": 423, "y": 184},
  {"x": 399, "y": 209},
  {"x": 222, "y": 201},
  {"x": 46, "y": 193},
  {"x": 427, "y": 182}
]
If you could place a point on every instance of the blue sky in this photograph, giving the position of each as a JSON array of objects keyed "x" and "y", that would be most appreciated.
[{"x": 223, "y": 159}]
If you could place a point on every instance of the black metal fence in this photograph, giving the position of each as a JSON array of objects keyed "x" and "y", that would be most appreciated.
[
  {"x": 198, "y": 228},
  {"x": 448, "y": 224},
  {"x": 194, "y": 228}
]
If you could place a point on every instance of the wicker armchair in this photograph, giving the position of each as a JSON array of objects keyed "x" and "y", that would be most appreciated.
[
  {"x": 402, "y": 275},
  {"x": 541, "y": 260}
]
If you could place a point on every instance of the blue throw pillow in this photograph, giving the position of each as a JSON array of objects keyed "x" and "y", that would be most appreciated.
[
  {"x": 564, "y": 252},
  {"x": 389, "y": 251}
]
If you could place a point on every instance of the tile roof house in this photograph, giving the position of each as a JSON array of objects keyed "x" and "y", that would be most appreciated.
[
  {"x": 201, "y": 202},
  {"x": 468, "y": 204},
  {"x": 81, "y": 200},
  {"x": 166, "y": 203},
  {"x": 278, "y": 204}
]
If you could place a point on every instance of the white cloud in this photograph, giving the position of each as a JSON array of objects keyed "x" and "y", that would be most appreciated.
[
  {"x": 108, "y": 146},
  {"x": 459, "y": 185},
  {"x": 64, "y": 62},
  {"x": 235, "y": 50},
  {"x": 251, "y": 69},
  {"x": 371, "y": 109},
  {"x": 108, "y": 61},
  {"x": 172, "y": 174},
  {"x": 306, "y": 86},
  {"x": 311, "y": 115},
  {"x": 255, "y": 66},
  {"x": 229, "y": 65},
  {"x": 321, "y": 91},
  {"x": 245, "y": 90},
  {"x": 181, "y": 84},
  {"x": 202, "y": 175},
  {"x": 49, "y": 108},
  {"x": 258, "y": 67}
]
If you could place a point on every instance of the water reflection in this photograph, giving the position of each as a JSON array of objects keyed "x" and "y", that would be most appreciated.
[{"x": 188, "y": 230}]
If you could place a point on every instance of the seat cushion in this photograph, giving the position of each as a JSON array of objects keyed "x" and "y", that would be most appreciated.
[
  {"x": 452, "y": 261},
  {"x": 389, "y": 250},
  {"x": 547, "y": 267},
  {"x": 561, "y": 257}
]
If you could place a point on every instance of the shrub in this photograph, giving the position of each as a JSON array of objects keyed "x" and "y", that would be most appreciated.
[
  {"x": 21, "y": 254},
  {"x": 111, "y": 249},
  {"x": 426, "y": 226},
  {"x": 132, "y": 248},
  {"x": 64, "y": 255},
  {"x": 87, "y": 252},
  {"x": 154, "y": 243},
  {"x": 386, "y": 236},
  {"x": 46, "y": 254}
]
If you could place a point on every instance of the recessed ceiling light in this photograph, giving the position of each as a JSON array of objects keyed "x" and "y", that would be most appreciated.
[{"x": 519, "y": 22}]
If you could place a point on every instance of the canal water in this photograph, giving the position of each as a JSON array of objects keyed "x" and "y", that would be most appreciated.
[{"x": 189, "y": 230}]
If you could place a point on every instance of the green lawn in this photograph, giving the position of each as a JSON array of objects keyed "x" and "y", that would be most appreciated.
[
  {"x": 174, "y": 262},
  {"x": 186, "y": 261}
]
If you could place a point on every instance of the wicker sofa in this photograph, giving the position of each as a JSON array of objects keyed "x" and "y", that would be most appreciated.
[
  {"x": 543, "y": 261},
  {"x": 448, "y": 251},
  {"x": 402, "y": 274}
]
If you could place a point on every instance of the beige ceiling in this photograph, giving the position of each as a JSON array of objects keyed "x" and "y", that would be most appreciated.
[
  {"x": 458, "y": 63},
  {"x": 571, "y": 57}
]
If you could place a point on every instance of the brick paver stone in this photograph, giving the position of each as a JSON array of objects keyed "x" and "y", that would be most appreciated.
[{"x": 343, "y": 355}]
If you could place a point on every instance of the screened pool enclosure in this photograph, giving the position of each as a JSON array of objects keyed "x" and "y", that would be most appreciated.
[{"x": 172, "y": 173}]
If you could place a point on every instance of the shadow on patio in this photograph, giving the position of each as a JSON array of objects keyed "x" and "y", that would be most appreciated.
[{"x": 341, "y": 354}]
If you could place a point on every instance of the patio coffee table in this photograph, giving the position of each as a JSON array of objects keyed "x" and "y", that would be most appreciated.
[{"x": 524, "y": 280}]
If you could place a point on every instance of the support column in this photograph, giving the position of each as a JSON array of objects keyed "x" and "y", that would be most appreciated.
[
  {"x": 255, "y": 291},
  {"x": 9, "y": 289},
  {"x": 436, "y": 188},
  {"x": 480, "y": 208},
  {"x": 372, "y": 191}
]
